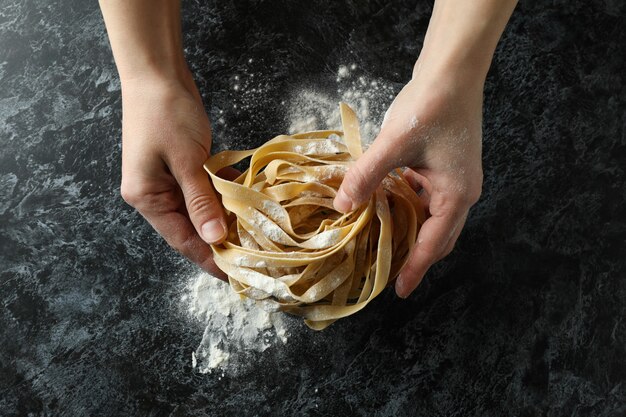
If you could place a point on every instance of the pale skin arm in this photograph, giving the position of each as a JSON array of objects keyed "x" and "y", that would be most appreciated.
[
  {"x": 166, "y": 134},
  {"x": 434, "y": 128}
]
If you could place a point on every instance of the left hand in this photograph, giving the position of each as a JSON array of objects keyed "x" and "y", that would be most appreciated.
[{"x": 433, "y": 127}]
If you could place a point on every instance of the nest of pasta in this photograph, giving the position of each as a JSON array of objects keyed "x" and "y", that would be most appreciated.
[{"x": 288, "y": 246}]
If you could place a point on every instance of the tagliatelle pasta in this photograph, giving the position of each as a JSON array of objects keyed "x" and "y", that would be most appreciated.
[{"x": 288, "y": 246}]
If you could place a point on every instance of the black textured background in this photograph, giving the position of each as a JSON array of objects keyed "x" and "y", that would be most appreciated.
[{"x": 526, "y": 318}]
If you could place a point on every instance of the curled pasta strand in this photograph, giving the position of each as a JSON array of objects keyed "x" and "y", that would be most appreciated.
[{"x": 287, "y": 246}]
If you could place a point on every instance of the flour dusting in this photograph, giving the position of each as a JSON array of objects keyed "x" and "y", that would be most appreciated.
[
  {"x": 235, "y": 327},
  {"x": 309, "y": 109}
]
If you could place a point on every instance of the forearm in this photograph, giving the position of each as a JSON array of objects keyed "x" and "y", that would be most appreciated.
[
  {"x": 146, "y": 38},
  {"x": 462, "y": 36}
]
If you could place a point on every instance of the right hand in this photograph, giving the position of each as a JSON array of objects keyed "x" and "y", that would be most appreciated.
[
  {"x": 166, "y": 138},
  {"x": 434, "y": 129}
]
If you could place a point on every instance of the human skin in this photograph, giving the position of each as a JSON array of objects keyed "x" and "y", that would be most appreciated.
[
  {"x": 433, "y": 127},
  {"x": 166, "y": 134}
]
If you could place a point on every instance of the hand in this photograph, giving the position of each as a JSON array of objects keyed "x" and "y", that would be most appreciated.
[
  {"x": 166, "y": 138},
  {"x": 433, "y": 127}
]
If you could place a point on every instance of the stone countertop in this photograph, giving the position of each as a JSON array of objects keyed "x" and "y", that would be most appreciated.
[{"x": 525, "y": 318}]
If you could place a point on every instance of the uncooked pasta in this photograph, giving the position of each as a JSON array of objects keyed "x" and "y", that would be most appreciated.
[{"x": 288, "y": 246}]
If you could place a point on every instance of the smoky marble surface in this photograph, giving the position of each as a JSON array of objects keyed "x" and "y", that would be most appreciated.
[{"x": 525, "y": 318}]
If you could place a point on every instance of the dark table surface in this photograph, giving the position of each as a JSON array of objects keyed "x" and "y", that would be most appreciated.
[{"x": 526, "y": 318}]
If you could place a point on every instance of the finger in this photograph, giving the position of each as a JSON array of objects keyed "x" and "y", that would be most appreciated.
[
  {"x": 363, "y": 177},
  {"x": 417, "y": 181},
  {"x": 454, "y": 238},
  {"x": 420, "y": 184},
  {"x": 432, "y": 241},
  {"x": 203, "y": 206},
  {"x": 181, "y": 235}
]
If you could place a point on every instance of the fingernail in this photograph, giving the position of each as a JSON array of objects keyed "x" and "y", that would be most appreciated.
[
  {"x": 400, "y": 292},
  {"x": 213, "y": 231},
  {"x": 342, "y": 202}
]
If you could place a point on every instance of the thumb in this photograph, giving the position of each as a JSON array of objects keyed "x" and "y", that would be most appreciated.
[
  {"x": 203, "y": 206},
  {"x": 364, "y": 176}
]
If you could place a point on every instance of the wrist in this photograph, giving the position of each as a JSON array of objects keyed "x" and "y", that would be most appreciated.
[
  {"x": 450, "y": 75},
  {"x": 462, "y": 37},
  {"x": 153, "y": 67},
  {"x": 146, "y": 39},
  {"x": 158, "y": 80},
  {"x": 454, "y": 58}
]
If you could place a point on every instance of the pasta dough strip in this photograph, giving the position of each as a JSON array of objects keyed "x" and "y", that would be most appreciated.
[{"x": 288, "y": 246}]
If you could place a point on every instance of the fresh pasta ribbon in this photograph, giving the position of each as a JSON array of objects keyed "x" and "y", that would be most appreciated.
[{"x": 286, "y": 244}]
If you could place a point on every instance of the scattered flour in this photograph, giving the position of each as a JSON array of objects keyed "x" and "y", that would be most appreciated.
[
  {"x": 413, "y": 124},
  {"x": 320, "y": 148},
  {"x": 235, "y": 327},
  {"x": 270, "y": 229},
  {"x": 325, "y": 239},
  {"x": 308, "y": 109}
]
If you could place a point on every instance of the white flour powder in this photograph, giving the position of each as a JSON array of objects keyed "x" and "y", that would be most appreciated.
[
  {"x": 312, "y": 110},
  {"x": 235, "y": 327}
]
